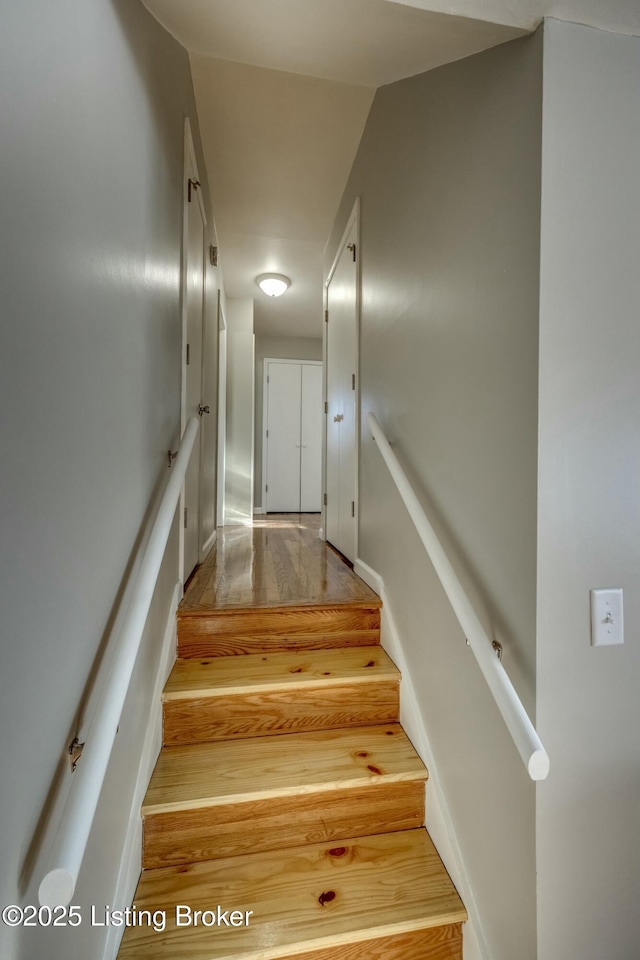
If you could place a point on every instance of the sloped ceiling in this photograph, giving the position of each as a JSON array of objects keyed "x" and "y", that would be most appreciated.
[
  {"x": 367, "y": 42},
  {"x": 283, "y": 89}
]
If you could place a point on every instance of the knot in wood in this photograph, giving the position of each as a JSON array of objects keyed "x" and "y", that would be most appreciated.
[{"x": 326, "y": 897}]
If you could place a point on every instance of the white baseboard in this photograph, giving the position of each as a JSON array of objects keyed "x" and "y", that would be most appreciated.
[
  {"x": 131, "y": 862},
  {"x": 206, "y": 547},
  {"x": 438, "y": 815},
  {"x": 369, "y": 575},
  {"x": 259, "y": 510}
]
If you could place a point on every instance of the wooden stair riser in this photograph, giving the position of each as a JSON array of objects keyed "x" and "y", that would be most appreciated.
[
  {"x": 232, "y": 829},
  {"x": 257, "y": 714},
  {"x": 438, "y": 943},
  {"x": 228, "y": 632}
]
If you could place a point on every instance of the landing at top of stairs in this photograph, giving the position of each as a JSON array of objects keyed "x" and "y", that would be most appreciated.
[{"x": 279, "y": 561}]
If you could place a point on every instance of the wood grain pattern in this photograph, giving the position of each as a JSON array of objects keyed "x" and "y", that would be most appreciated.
[
  {"x": 278, "y": 561},
  {"x": 217, "y": 633},
  {"x": 438, "y": 943},
  {"x": 315, "y": 831},
  {"x": 206, "y": 774},
  {"x": 250, "y": 696},
  {"x": 387, "y": 886},
  {"x": 228, "y": 830},
  {"x": 277, "y": 671},
  {"x": 263, "y": 713}
]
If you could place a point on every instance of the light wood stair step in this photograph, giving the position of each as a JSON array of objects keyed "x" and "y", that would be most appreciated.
[
  {"x": 384, "y": 897},
  {"x": 260, "y": 694},
  {"x": 222, "y": 632},
  {"x": 211, "y": 800}
]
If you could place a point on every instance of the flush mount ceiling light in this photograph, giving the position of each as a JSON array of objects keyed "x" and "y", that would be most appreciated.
[{"x": 273, "y": 284}]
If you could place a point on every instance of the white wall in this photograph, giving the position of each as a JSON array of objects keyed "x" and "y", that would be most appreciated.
[
  {"x": 285, "y": 348},
  {"x": 588, "y": 531},
  {"x": 239, "y": 440},
  {"x": 448, "y": 173},
  {"x": 93, "y": 104}
]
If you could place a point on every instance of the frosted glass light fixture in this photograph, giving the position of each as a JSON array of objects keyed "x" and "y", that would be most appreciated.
[{"x": 273, "y": 284}]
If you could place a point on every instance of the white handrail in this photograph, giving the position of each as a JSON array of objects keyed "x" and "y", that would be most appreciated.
[
  {"x": 513, "y": 713},
  {"x": 58, "y": 884}
]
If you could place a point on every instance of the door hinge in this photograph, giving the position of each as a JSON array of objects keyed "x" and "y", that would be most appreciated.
[
  {"x": 191, "y": 184},
  {"x": 326, "y": 406},
  {"x": 326, "y": 316},
  {"x": 188, "y": 353},
  {"x": 353, "y": 509},
  {"x": 352, "y": 247},
  {"x": 213, "y": 255},
  {"x": 267, "y": 378},
  {"x": 185, "y": 518},
  {"x": 324, "y": 499},
  {"x": 266, "y": 488},
  {"x": 267, "y": 434},
  {"x": 353, "y": 381}
]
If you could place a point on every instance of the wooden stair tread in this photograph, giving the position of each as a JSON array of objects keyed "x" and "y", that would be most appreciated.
[
  {"x": 241, "y": 674},
  {"x": 385, "y": 885},
  {"x": 205, "y": 774}
]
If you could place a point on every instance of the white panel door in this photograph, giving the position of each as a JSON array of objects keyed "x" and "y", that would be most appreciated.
[
  {"x": 194, "y": 294},
  {"x": 341, "y": 400},
  {"x": 311, "y": 437},
  {"x": 284, "y": 389},
  {"x": 222, "y": 415},
  {"x": 208, "y": 420}
]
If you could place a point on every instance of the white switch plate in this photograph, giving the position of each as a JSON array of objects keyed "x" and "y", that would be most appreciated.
[{"x": 607, "y": 619}]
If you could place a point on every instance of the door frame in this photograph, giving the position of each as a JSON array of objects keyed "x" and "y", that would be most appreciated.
[
  {"x": 222, "y": 409},
  {"x": 354, "y": 220},
  {"x": 190, "y": 164},
  {"x": 207, "y": 336},
  {"x": 265, "y": 418}
]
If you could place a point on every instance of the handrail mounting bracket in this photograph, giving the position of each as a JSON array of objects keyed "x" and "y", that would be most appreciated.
[{"x": 75, "y": 752}]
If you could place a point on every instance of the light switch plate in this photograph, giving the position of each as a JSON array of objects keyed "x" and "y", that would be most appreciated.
[{"x": 607, "y": 619}]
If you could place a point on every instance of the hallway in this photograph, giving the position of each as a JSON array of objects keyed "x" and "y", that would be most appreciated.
[{"x": 497, "y": 348}]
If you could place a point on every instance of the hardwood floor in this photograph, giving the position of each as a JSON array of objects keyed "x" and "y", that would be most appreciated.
[
  {"x": 280, "y": 561},
  {"x": 287, "y": 791}
]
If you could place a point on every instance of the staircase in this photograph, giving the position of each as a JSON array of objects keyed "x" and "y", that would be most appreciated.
[{"x": 285, "y": 815}]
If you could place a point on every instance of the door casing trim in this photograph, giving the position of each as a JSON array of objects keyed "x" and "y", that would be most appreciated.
[{"x": 354, "y": 219}]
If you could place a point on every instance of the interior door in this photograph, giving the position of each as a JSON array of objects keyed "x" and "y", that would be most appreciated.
[
  {"x": 311, "y": 439},
  {"x": 282, "y": 437},
  {"x": 292, "y": 461},
  {"x": 208, "y": 411},
  {"x": 193, "y": 301},
  {"x": 222, "y": 412},
  {"x": 341, "y": 399}
]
